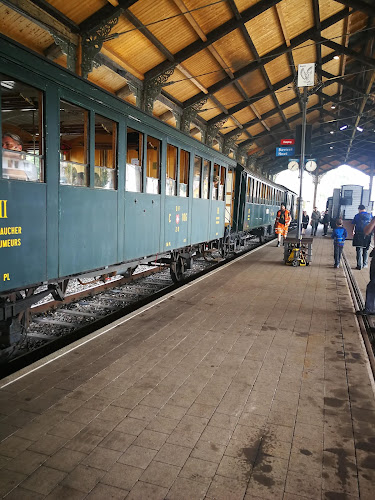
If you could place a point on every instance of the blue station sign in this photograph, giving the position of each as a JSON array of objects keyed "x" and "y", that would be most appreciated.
[{"x": 285, "y": 151}]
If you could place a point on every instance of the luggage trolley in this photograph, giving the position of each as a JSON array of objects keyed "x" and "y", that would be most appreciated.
[{"x": 297, "y": 252}]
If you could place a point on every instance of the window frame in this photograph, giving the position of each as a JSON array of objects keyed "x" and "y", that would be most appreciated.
[
  {"x": 89, "y": 135},
  {"x": 42, "y": 88},
  {"x": 115, "y": 142}
]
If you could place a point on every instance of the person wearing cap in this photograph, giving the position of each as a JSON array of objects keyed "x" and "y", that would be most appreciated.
[{"x": 361, "y": 241}]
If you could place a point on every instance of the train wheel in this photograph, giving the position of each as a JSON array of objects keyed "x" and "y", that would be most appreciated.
[{"x": 177, "y": 270}]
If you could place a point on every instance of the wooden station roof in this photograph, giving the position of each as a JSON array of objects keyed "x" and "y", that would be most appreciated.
[{"x": 232, "y": 63}]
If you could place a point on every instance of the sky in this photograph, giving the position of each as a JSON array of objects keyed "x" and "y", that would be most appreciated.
[{"x": 332, "y": 179}]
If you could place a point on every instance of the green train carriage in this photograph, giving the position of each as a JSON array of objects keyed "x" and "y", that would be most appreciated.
[
  {"x": 97, "y": 187},
  {"x": 257, "y": 201}
]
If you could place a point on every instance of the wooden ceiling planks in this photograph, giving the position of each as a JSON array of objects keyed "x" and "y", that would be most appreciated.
[
  {"x": 106, "y": 79},
  {"x": 78, "y": 11},
  {"x": 265, "y": 31},
  {"x": 160, "y": 34},
  {"x": 209, "y": 14},
  {"x": 234, "y": 51},
  {"x": 23, "y": 31},
  {"x": 151, "y": 15}
]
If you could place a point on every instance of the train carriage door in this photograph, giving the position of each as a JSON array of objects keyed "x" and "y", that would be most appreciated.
[{"x": 229, "y": 197}]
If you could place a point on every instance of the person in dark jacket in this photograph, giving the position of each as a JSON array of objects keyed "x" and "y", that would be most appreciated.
[
  {"x": 339, "y": 236},
  {"x": 315, "y": 219},
  {"x": 370, "y": 289},
  {"x": 305, "y": 222},
  {"x": 361, "y": 241},
  {"x": 325, "y": 221}
]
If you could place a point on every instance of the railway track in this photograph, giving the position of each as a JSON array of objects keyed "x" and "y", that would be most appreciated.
[
  {"x": 56, "y": 324},
  {"x": 366, "y": 326}
]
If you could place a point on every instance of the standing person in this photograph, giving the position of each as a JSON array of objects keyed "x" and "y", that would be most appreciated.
[
  {"x": 315, "y": 219},
  {"x": 361, "y": 241},
  {"x": 282, "y": 223},
  {"x": 325, "y": 222},
  {"x": 339, "y": 236},
  {"x": 305, "y": 222},
  {"x": 370, "y": 289},
  {"x": 15, "y": 164}
]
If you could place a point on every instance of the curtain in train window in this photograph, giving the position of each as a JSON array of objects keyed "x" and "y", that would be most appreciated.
[
  {"x": 184, "y": 173},
  {"x": 74, "y": 129},
  {"x": 206, "y": 179},
  {"x": 222, "y": 184},
  {"x": 105, "y": 153},
  {"x": 22, "y": 131},
  {"x": 215, "y": 187},
  {"x": 263, "y": 193},
  {"x": 197, "y": 177},
  {"x": 134, "y": 160},
  {"x": 248, "y": 189},
  {"x": 171, "y": 181},
  {"x": 153, "y": 165}
]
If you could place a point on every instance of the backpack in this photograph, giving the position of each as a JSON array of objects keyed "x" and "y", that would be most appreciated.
[{"x": 361, "y": 220}]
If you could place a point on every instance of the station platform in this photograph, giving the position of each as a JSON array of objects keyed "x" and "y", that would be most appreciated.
[{"x": 251, "y": 382}]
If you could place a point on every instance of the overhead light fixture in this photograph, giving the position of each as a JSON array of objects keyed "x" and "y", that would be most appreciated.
[
  {"x": 336, "y": 57},
  {"x": 7, "y": 84},
  {"x": 331, "y": 147},
  {"x": 343, "y": 127},
  {"x": 360, "y": 129},
  {"x": 331, "y": 132}
]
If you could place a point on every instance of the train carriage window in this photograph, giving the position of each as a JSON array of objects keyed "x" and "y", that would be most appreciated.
[
  {"x": 222, "y": 184},
  {"x": 22, "y": 131},
  {"x": 248, "y": 189},
  {"x": 134, "y": 160},
  {"x": 74, "y": 125},
  {"x": 153, "y": 165},
  {"x": 171, "y": 181},
  {"x": 197, "y": 177},
  {"x": 105, "y": 153},
  {"x": 184, "y": 173},
  {"x": 215, "y": 187},
  {"x": 206, "y": 179}
]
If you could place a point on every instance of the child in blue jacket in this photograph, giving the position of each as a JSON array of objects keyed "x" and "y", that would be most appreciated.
[{"x": 339, "y": 235}]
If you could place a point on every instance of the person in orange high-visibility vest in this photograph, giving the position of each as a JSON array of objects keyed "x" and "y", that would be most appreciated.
[{"x": 282, "y": 223}]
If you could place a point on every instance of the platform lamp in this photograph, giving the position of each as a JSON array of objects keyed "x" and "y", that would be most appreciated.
[{"x": 306, "y": 74}]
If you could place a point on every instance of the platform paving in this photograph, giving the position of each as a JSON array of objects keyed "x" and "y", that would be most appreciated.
[{"x": 251, "y": 383}]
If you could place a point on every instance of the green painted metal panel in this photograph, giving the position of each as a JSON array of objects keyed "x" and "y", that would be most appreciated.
[
  {"x": 52, "y": 142},
  {"x": 87, "y": 229},
  {"x": 217, "y": 220},
  {"x": 142, "y": 225},
  {"x": 200, "y": 220},
  {"x": 22, "y": 234},
  {"x": 247, "y": 216},
  {"x": 176, "y": 222}
]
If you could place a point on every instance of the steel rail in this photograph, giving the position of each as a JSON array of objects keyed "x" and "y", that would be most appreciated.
[
  {"x": 363, "y": 322},
  {"x": 26, "y": 358}
]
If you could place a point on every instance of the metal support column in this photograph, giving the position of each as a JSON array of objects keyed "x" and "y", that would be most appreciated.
[
  {"x": 316, "y": 182},
  {"x": 302, "y": 162},
  {"x": 371, "y": 181}
]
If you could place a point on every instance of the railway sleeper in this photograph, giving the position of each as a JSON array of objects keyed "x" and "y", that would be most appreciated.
[{"x": 15, "y": 311}]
